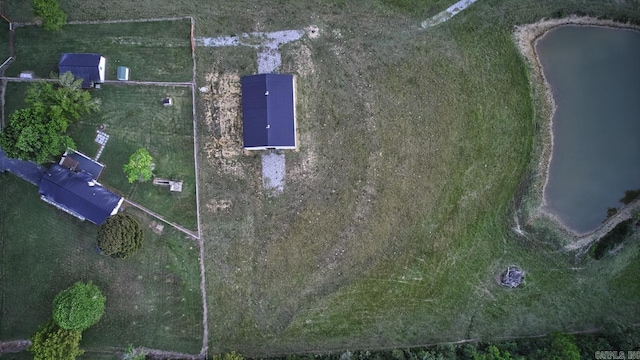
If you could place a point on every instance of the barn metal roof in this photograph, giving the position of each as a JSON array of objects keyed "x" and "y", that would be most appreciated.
[
  {"x": 268, "y": 111},
  {"x": 84, "y": 66}
]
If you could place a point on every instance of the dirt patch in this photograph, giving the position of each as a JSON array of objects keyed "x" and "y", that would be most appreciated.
[
  {"x": 313, "y": 31},
  {"x": 215, "y": 205},
  {"x": 222, "y": 118},
  {"x": 303, "y": 62},
  {"x": 157, "y": 228}
]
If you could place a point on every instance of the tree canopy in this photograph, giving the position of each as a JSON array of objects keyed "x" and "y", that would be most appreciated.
[
  {"x": 78, "y": 307},
  {"x": 54, "y": 342},
  {"x": 120, "y": 236},
  {"x": 140, "y": 166},
  {"x": 38, "y": 132},
  {"x": 53, "y": 18}
]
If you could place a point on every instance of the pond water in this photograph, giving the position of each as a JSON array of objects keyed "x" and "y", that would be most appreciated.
[{"x": 594, "y": 74}]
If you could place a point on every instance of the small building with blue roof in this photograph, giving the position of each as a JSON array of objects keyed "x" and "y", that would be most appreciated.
[
  {"x": 88, "y": 67},
  {"x": 268, "y": 112}
]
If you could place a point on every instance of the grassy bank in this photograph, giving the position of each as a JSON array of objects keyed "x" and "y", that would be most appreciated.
[{"x": 153, "y": 298}]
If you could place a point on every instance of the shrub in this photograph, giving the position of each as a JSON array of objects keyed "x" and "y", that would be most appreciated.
[
  {"x": 120, "y": 236},
  {"x": 54, "y": 342},
  {"x": 78, "y": 307},
  {"x": 53, "y": 18}
]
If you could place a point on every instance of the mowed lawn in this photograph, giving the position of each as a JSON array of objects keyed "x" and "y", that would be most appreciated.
[
  {"x": 155, "y": 51},
  {"x": 153, "y": 298},
  {"x": 134, "y": 118}
]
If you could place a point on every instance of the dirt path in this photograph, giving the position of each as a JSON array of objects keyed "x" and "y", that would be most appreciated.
[
  {"x": 451, "y": 11},
  {"x": 15, "y": 346},
  {"x": 266, "y": 44}
]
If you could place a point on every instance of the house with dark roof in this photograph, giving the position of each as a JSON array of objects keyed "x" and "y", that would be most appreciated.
[
  {"x": 88, "y": 67},
  {"x": 79, "y": 162},
  {"x": 268, "y": 111},
  {"x": 78, "y": 194}
]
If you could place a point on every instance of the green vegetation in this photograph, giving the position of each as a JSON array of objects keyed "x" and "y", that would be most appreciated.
[
  {"x": 53, "y": 342},
  {"x": 153, "y": 298},
  {"x": 79, "y": 307},
  {"x": 120, "y": 236},
  {"x": 38, "y": 132},
  {"x": 630, "y": 196},
  {"x": 140, "y": 166},
  {"x": 134, "y": 354},
  {"x": 53, "y": 18},
  {"x": 155, "y": 51},
  {"x": 613, "y": 238},
  {"x": 134, "y": 117}
]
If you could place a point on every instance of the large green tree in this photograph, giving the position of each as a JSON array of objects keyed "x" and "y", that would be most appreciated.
[
  {"x": 140, "y": 166},
  {"x": 54, "y": 342},
  {"x": 120, "y": 236},
  {"x": 78, "y": 307},
  {"x": 38, "y": 132},
  {"x": 53, "y": 18}
]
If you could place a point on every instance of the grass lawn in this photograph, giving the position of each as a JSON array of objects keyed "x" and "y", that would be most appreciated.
[
  {"x": 4, "y": 41},
  {"x": 155, "y": 51},
  {"x": 153, "y": 298},
  {"x": 135, "y": 117}
]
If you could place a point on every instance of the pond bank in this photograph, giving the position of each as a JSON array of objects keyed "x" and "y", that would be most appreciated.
[{"x": 526, "y": 37}]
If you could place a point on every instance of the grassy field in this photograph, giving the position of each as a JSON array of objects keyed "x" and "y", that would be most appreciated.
[
  {"x": 155, "y": 51},
  {"x": 135, "y": 117},
  {"x": 416, "y": 146},
  {"x": 153, "y": 298},
  {"x": 396, "y": 216}
]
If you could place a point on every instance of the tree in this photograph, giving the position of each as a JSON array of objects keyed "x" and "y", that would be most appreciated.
[
  {"x": 120, "y": 236},
  {"x": 38, "y": 132},
  {"x": 563, "y": 347},
  {"x": 54, "y": 342},
  {"x": 140, "y": 166},
  {"x": 53, "y": 18},
  {"x": 78, "y": 307}
]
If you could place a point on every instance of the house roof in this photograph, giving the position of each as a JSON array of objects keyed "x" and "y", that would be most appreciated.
[
  {"x": 79, "y": 194},
  {"x": 268, "y": 111},
  {"x": 78, "y": 162},
  {"x": 84, "y": 66}
]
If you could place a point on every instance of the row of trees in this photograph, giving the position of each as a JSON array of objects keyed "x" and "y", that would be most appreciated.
[
  {"x": 615, "y": 337},
  {"x": 74, "y": 310}
]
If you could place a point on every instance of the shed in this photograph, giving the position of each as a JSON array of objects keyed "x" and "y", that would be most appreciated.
[
  {"x": 88, "y": 67},
  {"x": 78, "y": 194},
  {"x": 268, "y": 111},
  {"x": 123, "y": 73}
]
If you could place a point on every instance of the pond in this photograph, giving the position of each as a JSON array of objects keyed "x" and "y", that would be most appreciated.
[{"x": 594, "y": 75}]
